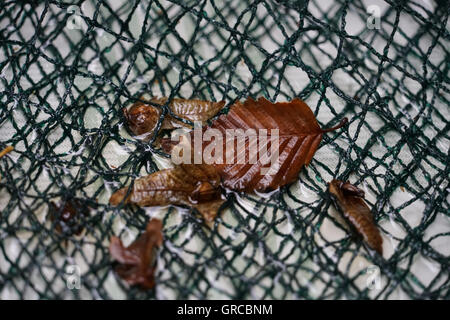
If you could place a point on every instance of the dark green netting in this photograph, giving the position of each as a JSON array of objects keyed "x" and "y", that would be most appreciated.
[{"x": 68, "y": 68}]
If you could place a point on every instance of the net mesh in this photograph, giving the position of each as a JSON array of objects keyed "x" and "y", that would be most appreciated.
[{"x": 68, "y": 68}]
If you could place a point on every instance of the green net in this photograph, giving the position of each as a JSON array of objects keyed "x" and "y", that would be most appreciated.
[{"x": 68, "y": 68}]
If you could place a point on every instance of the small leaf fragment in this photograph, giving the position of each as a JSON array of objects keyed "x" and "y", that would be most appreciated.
[
  {"x": 136, "y": 263},
  {"x": 68, "y": 217},
  {"x": 350, "y": 200}
]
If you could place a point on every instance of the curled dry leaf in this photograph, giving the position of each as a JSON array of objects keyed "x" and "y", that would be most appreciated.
[
  {"x": 136, "y": 263},
  {"x": 350, "y": 200},
  {"x": 193, "y": 185},
  {"x": 68, "y": 217},
  {"x": 142, "y": 118},
  {"x": 299, "y": 135}
]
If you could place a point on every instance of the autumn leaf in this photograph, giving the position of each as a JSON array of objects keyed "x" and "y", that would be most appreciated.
[
  {"x": 136, "y": 263},
  {"x": 68, "y": 217},
  {"x": 193, "y": 185},
  {"x": 299, "y": 135},
  {"x": 350, "y": 200},
  {"x": 142, "y": 118}
]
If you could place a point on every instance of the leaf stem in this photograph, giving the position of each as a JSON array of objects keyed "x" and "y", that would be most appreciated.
[{"x": 340, "y": 125}]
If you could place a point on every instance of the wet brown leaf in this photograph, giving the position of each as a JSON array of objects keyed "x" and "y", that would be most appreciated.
[
  {"x": 299, "y": 136},
  {"x": 350, "y": 200},
  {"x": 137, "y": 261},
  {"x": 193, "y": 185},
  {"x": 68, "y": 218},
  {"x": 142, "y": 118}
]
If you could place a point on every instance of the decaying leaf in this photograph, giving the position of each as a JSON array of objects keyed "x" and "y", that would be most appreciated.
[
  {"x": 68, "y": 218},
  {"x": 299, "y": 135},
  {"x": 136, "y": 263},
  {"x": 350, "y": 200},
  {"x": 193, "y": 185},
  {"x": 142, "y": 118}
]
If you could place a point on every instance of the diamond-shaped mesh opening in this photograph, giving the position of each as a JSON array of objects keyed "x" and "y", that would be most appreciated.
[{"x": 67, "y": 70}]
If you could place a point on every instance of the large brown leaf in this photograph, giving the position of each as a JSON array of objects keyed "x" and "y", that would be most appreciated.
[
  {"x": 142, "y": 118},
  {"x": 136, "y": 263},
  {"x": 193, "y": 185},
  {"x": 299, "y": 136},
  {"x": 350, "y": 201}
]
